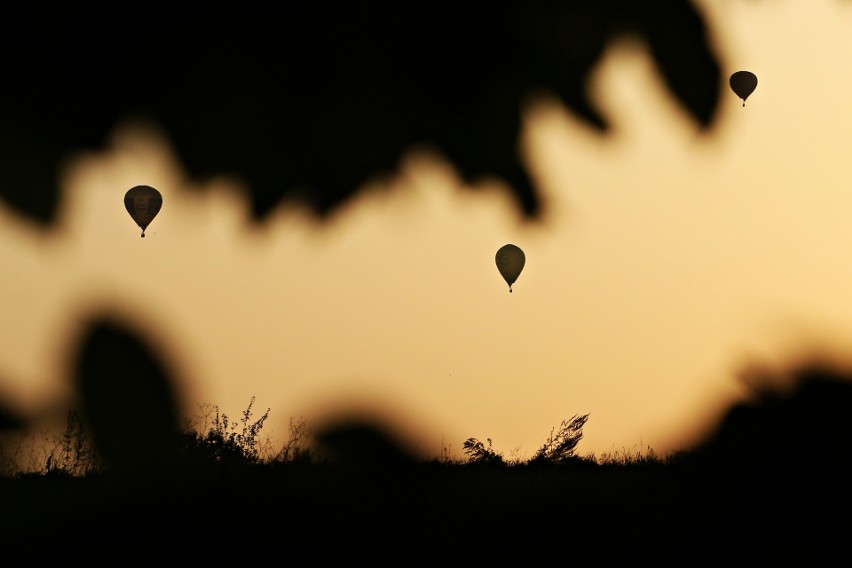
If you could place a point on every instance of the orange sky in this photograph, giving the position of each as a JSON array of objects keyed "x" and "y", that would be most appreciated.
[{"x": 666, "y": 263}]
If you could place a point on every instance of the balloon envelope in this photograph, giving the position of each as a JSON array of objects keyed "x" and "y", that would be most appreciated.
[
  {"x": 743, "y": 83},
  {"x": 510, "y": 261},
  {"x": 143, "y": 202}
]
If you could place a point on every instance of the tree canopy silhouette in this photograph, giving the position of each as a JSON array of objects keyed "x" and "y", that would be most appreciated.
[{"x": 305, "y": 102}]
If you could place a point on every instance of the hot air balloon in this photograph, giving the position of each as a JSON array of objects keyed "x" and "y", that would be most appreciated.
[
  {"x": 510, "y": 261},
  {"x": 743, "y": 84},
  {"x": 143, "y": 202}
]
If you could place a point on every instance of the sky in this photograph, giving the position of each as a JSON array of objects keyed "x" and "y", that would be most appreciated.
[{"x": 669, "y": 263}]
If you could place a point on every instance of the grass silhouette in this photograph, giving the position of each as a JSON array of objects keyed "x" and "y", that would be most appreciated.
[
  {"x": 769, "y": 485},
  {"x": 212, "y": 439}
]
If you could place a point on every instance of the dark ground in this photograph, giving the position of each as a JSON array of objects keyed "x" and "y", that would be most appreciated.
[{"x": 709, "y": 508}]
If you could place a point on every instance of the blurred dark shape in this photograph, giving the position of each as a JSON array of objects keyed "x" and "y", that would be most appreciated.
[
  {"x": 10, "y": 419},
  {"x": 802, "y": 428},
  {"x": 308, "y": 101},
  {"x": 12, "y": 423},
  {"x": 363, "y": 444},
  {"x": 774, "y": 480},
  {"x": 128, "y": 401}
]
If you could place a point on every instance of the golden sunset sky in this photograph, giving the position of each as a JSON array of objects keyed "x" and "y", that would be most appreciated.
[{"x": 667, "y": 263}]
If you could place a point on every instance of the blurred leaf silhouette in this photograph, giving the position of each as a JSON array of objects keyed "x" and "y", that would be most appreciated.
[
  {"x": 800, "y": 430},
  {"x": 306, "y": 102},
  {"x": 128, "y": 400},
  {"x": 774, "y": 473},
  {"x": 362, "y": 443}
]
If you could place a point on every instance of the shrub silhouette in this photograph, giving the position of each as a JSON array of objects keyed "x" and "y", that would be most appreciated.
[
  {"x": 228, "y": 444},
  {"x": 479, "y": 453}
]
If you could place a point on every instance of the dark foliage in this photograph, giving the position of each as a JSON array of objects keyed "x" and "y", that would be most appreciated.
[
  {"x": 482, "y": 454},
  {"x": 226, "y": 445},
  {"x": 306, "y": 101},
  {"x": 770, "y": 486}
]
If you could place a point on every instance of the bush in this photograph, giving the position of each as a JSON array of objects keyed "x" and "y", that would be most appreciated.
[
  {"x": 479, "y": 453},
  {"x": 228, "y": 443}
]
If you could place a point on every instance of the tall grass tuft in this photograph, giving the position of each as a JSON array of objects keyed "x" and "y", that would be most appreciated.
[{"x": 561, "y": 444}]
